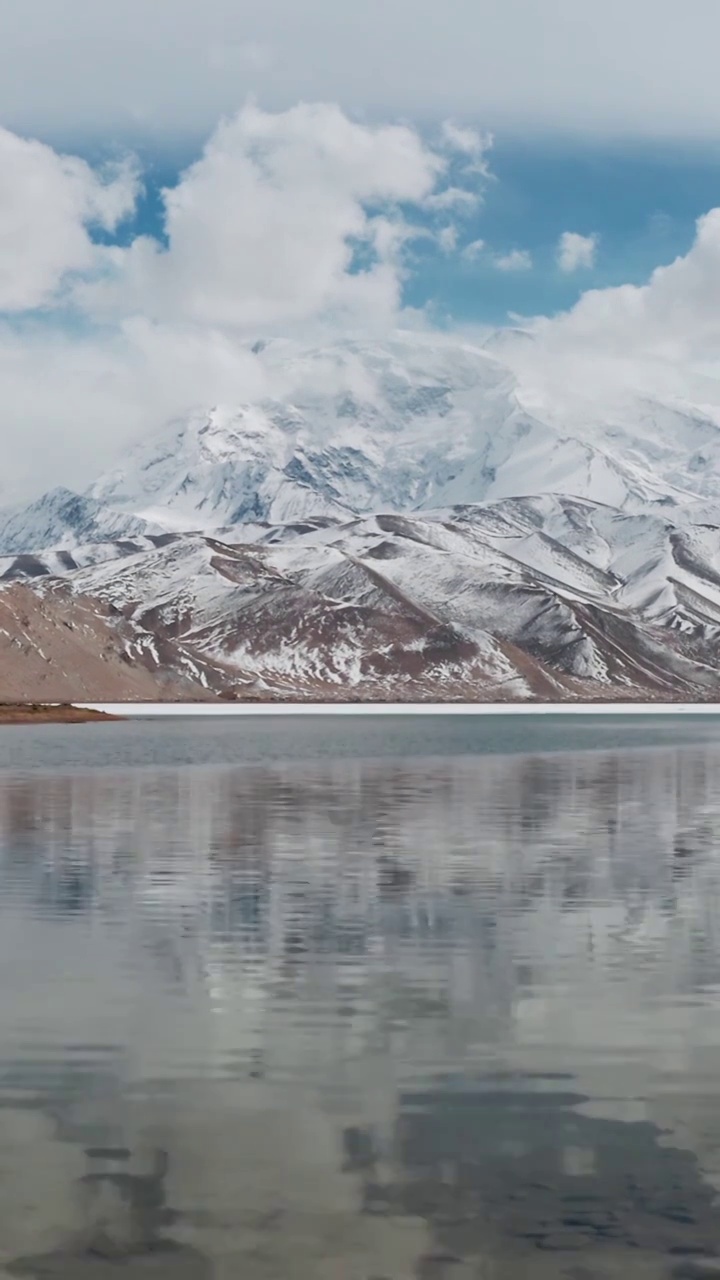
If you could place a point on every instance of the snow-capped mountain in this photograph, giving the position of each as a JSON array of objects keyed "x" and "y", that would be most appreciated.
[
  {"x": 415, "y": 422},
  {"x": 360, "y": 427},
  {"x": 404, "y": 519},
  {"x": 405, "y": 425}
]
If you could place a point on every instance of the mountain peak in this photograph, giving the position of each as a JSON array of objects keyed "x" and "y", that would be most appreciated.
[{"x": 412, "y": 422}]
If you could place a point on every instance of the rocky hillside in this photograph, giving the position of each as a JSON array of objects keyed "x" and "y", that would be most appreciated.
[
  {"x": 541, "y": 598},
  {"x": 64, "y": 647}
]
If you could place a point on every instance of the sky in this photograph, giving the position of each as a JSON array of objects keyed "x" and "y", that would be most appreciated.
[{"x": 178, "y": 177}]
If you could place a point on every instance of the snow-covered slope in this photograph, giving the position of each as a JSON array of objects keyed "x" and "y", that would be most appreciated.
[
  {"x": 414, "y": 422},
  {"x": 65, "y": 519},
  {"x": 551, "y": 597},
  {"x": 360, "y": 426}
]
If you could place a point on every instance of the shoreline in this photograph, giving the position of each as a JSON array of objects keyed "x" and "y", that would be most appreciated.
[
  {"x": 160, "y": 710},
  {"x": 20, "y": 713},
  {"x": 12, "y": 713}
]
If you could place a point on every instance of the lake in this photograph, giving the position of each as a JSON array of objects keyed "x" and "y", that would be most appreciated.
[{"x": 421, "y": 998}]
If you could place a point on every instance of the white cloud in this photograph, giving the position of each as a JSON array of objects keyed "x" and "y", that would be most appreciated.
[
  {"x": 470, "y": 144},
  {"x": 458, "y": 138},
  {"x": 656, "y": 340},
  {"x": 448, "y": 239},
  {"x": 71, "y": 402},
  {"x": 263, "y": 227},
  {"x": 516, "y": 260},
  {"x": 473, "y": 250},
  {"x": 47, "y": 203},
  {"x": 575, "y": 251},
  {"x": 646, "y": 68},
  {"x": 674, "y": 317},
  {"x": 452, "y": 198}
]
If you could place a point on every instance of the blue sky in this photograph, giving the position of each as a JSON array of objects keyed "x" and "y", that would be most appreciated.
[{"x": 642, "y": 201}]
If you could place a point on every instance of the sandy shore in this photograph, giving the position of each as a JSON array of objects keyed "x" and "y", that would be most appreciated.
[{"x": 50, "y": 713}]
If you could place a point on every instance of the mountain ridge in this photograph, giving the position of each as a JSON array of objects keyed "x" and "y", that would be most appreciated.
[
  {"x": 551, "y": 598},
  {"x": 414, "y": 423}
]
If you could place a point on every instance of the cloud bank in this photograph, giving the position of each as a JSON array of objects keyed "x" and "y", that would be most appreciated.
[{"x": 164, "y": 68}]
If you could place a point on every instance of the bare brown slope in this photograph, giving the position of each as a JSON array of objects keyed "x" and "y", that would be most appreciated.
[
  {"x": 12, "y": 713},
  {"x": 65, "y": 649}
]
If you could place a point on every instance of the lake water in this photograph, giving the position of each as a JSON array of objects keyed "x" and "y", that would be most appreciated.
[{"x": 320, "y": 1000}]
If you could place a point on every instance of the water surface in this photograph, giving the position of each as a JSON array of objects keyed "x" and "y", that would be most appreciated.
[
  {"x": 349, "y": 1016},
  {"x": 191, "y": 740}
]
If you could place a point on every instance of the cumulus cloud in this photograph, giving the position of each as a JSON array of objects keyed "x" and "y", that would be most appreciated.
[
  {"x": 575, "y": 251},
  {"x": 516, "y": 260},
  {"x": 48, "y": 202},
  {"x": 675, "y": 316},
  {"x": 266, "y": 226},
  {"x": 656, "y": 340}
]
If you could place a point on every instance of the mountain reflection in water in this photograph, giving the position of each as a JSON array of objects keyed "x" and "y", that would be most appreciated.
[{"x": 442, "y": 1018}]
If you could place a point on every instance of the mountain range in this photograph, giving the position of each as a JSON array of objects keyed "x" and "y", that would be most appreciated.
[{"x": 405, "y": 519}]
